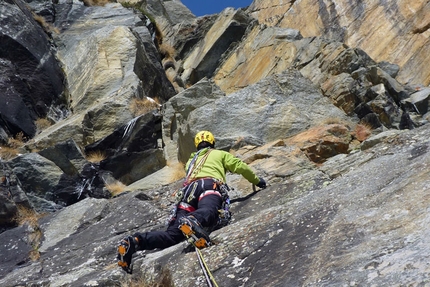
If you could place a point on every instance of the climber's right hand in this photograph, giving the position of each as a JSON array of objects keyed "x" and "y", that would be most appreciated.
[{"x": 262, "y": 183}]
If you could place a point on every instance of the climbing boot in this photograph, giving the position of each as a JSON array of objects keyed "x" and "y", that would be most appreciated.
[
  {"x": 193, "y": 230},
  {"x": 126, "y": 248}
]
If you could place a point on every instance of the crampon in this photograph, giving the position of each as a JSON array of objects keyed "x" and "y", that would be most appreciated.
[
  {"x": 194, "y": 232},
  {"x": 126, "y": 249}
]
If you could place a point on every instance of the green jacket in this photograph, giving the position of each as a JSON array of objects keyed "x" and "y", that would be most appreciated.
[{"x": 217, "y": 163}]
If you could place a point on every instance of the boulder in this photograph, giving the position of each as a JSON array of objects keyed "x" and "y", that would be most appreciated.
[
  {"x": 73, "y": 238},
  {"x": 56, "y": 230},
  {"x": 36, "y": 174},
  {"x": 322, "y": 142},
  {"x": 139, "y": 134},
  {"x": 90, "y": 182},
  {"x": 129, "y": 167},
  {"x": 397, "y": 91},
  {"x": 419, "y": 101},
  {"x": 67, "y": 129},
  {"x": 390, "y": 68},
  {"x": 340, "y": 89},
  {"x": 66, "y": 155},
  {"x": 389, "y": 114}
]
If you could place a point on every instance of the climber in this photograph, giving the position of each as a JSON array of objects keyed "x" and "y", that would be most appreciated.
[{"x": 199, "y": 200}]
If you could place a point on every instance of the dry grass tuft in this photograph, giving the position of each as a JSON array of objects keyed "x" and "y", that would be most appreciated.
[
  {"x": 10, "y": 150},
  {"x": 41, "y": 124},
  {"x": 27, "y": 215},
  {"x": 48, "y": 27},
  {"x": 143, "y": 106},
  {"x": 34, "y": 254},
  {"x": 116, "y": 188},
  {"x": 167, "y": 51},
  {"x": 31, "y": 217},
  {"x": 178, "y": 170},
  {"x": 34, "y": 238},
  {"x": 17, "y": 141},
  {"x": 96, "y": 156},
  {"x": 362, "y": 131},
  {"x": 7, "y": 153}
]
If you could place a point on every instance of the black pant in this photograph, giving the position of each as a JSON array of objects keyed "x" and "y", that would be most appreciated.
[{"x": 206, "y": 207}]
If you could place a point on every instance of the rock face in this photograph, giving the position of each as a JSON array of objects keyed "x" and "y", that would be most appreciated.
[
  {"x": 398, "y": 23},
  {"x": 358, "y": 210},
  {"x": 204, "y": 59},
  {"x": 348, "y": 76},
  {"x": 302, "y": 92},
  {"x": 177, "y": 112},
  {"x": 273, "y": 106},
  {"x": 111, "y": 61},
  {"x": 30, "y": 77}
]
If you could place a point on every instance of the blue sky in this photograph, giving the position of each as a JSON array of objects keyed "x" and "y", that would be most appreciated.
[{"x": 205, "y": 7}]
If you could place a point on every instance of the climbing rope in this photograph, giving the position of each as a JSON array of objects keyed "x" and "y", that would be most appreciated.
[{"x": 208, "y": 275}]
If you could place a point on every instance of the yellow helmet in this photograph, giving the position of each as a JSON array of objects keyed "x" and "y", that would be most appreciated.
[{"x": 204, "y": 136}]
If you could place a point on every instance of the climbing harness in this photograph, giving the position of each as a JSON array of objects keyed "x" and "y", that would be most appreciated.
[{"x": 208, "y": 275}]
